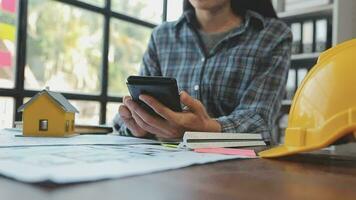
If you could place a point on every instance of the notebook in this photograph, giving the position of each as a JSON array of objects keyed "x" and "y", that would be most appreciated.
[{"x": 194, "y": 140}]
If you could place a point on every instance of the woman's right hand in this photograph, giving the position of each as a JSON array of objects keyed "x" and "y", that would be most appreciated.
[{"x": 129, "y": 119}]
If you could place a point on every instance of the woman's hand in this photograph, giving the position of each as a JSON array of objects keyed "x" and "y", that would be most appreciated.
[
  {"x": 170, "y": 124},
  {"x": 129, "y": 119}
]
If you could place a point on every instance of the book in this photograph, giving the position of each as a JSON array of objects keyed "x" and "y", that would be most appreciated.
[
  {"x": 296, "y": 29},
  {"x": 308, "y": 36},
  {"x": 194, "y": 140},
  {"x": 93, "y": 129},
  {"x": 291, "y": 84},
  {"x": 302, "y": 73},
  {"x": 321, "y": 35}
]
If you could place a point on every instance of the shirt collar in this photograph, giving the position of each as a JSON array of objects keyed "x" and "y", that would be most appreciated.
[
  {"x": 187, "y": 16},
  {"x": 251, "y": 17},
  {"x": 256, "y": 19}
]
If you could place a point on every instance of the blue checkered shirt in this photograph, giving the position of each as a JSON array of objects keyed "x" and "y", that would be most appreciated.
[{"x": 240, "y": 81}]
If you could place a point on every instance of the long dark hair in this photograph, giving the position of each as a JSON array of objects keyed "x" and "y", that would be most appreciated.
[{"x": 239, "y": 7}]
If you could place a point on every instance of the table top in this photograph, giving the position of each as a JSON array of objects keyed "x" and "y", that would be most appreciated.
[{"x": 306, "y": 176}]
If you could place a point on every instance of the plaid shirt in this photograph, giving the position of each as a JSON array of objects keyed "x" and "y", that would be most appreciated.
[{"x": 241, "y": 81}]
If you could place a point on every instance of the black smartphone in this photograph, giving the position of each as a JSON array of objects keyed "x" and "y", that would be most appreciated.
[{"x": 163, "y": 89}]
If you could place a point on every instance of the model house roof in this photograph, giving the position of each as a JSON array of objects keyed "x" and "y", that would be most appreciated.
[{"x": 58, "y": 98}]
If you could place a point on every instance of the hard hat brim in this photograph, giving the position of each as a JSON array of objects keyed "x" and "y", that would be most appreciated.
[{"x": 282, "y": 150}]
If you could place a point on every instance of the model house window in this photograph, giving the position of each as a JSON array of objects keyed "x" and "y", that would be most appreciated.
[
  {"x": 72, "y": 125},
  {"x": 43, "y": 125},
  {"x": 67, "y": 126}
]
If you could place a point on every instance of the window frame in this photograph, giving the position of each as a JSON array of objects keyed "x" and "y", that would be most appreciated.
[{"x": 19, "y": 92}]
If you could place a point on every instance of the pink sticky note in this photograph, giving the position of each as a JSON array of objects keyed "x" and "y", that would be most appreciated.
[
  {"x": 5, "y": 59},
  {"x": 228, "y": 151},
  {"x": 9, "y": 5}
]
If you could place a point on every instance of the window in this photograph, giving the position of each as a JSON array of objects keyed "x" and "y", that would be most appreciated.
[
  {"x": 149, "y": 10},
  {"x": 7, "y": 42},
  {"x": 67, "y": 126},
  {"x": 100, "y": 3},
  {"x": 6, "y": 112},
  {"x": 63, "y": 48},
  {"x": 127, "y": 45},
  {"x": 84, "y": 49},
  {"x": 89, "y": 111},
  {"x": 112, "y": 109},
  {"x": 43, "y": 125},
  {"x": 174, "y": 9},
  {"x": 73, "y": 125}
]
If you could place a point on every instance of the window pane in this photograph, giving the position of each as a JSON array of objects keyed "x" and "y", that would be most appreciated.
[
  {"x": 7, "y": 42},
  {"x": 147, "y": 10},
  {"x": 174, "y": 9},
  {"x": 89, "y": 112},
  {"x": 111, "y": 110},
  {"x": 64, "y": 48},
  {"x": 6, "y": 112},
  {"x": 127, "y": 45},
  {"x": 100, "y": 3}
]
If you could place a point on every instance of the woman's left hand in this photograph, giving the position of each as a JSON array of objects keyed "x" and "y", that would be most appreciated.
[{"x": 173, "y": 124}]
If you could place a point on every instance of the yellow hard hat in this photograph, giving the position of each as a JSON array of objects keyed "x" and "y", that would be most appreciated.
[{"x": 324, "y": 106}]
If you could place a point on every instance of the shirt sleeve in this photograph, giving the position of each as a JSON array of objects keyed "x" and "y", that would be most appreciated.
[
  {"x": 260, "y": 103},
  {"x": 150, "y": 67}
]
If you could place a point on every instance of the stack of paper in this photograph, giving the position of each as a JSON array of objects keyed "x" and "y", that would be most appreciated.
[{"x": 194, "y": 140}]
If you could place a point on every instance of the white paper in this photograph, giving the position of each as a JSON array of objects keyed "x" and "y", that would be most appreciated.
[
  {"x": 8, "y": 139},
  {"x": 68, "y": 164}
]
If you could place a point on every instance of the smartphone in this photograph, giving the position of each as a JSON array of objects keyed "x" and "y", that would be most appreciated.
[{"x": 163, "y": 89}]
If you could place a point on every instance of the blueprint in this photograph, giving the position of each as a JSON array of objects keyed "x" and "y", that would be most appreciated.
[
  {"x": 13, "y": 138},
  {"x": 79, "y": 163}
]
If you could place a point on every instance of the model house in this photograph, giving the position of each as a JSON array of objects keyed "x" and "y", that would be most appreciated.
[{"x": 48, "y": 114}]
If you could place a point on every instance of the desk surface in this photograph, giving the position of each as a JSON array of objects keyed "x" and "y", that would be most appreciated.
[{"x": 305, "y": 176}]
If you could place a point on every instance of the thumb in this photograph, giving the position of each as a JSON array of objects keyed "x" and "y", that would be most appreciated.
[{"x": 193, "y": 104}]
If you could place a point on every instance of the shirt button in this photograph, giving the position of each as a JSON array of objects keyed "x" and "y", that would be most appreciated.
[
  {"x": 203, "y": 59},
  {"x": 196, "y": 87}
]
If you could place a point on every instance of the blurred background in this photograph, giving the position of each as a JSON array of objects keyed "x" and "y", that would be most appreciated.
[{"x": 66, "y": 45}]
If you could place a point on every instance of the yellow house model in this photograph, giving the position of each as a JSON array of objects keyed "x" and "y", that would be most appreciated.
[{"x": 48, "y": 114}]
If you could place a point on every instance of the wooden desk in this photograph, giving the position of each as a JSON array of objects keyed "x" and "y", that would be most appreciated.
[{"x": 299, "y": 177}]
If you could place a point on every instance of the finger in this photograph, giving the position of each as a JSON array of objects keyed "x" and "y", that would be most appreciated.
[
  {"x": 143, "y": 114},
  {"x": 159, "y": 108},
  {"x": 125, "y": 99},
  {"x": 160, "y": 126},
  {"x": 124, "y": 112},
  {"x": 135, "y": 129},
  {"x": 140, "y": 122},
  {"x": 193, "y": 104}
]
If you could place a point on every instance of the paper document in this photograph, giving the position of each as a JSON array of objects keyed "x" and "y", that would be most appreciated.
[
  {"x": 69, "y": 164},
  {"x": 8, "y": 139}
]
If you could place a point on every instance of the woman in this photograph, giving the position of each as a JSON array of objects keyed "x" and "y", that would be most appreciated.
[{"x": 230, "y": 57}]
